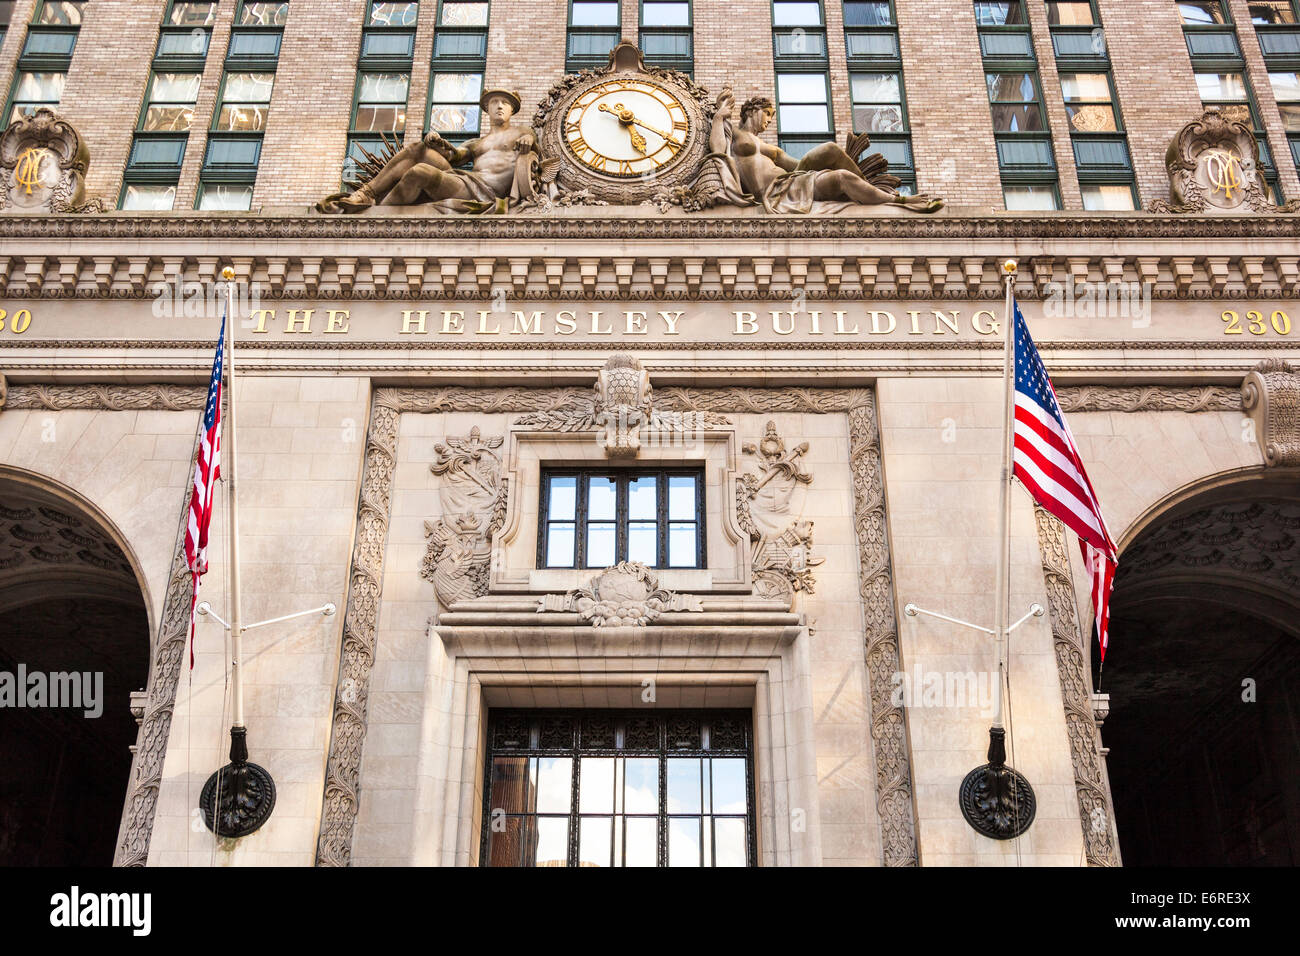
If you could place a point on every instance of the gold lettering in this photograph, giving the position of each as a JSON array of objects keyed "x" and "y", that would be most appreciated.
[
  {"x": 482, "y": 324},
  {"x": 595, "y": 325},
  {"x": 261, "y": 315},
  {"x": 293, "y": 320},
  {"x": 635, "y": 323},
  {"x": 875, "y": 323},
  {"x": 746, "y": 323},
  {"x": 839, "y": 325},
  {"x": 991, "y": 329},
  {"x": 411, "y": 325},
  {"x": 939, "y": 319},
  {"x": 453, "y": 321},
  {"x": 1234, "y": 323},
  {"x": 816, "y": 318},
  {"x": 671, "y": 319},
  {"x": 566, "y": 322},
  {"x": 333, "y": 320},
  {"x": 916, "y": 322},
  {"x": 527, "y": 326},
  {"x": 776, "y": 322},
  {"x": 27, "y": 171}
]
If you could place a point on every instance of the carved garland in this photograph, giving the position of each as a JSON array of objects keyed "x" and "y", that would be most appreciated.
[{"x": 1096, "y": 814}]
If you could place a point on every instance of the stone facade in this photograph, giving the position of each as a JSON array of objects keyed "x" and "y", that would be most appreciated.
[{"x": 855, "y": 357}]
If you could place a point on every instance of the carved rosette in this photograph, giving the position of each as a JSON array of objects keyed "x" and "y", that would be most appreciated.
[
  {"x": 626, "y": 595},
  {"x": 1211, "y": 166},
  {"x": 1271, "y": 394},
  {"x": 43, "y": 163},
  {"x": 1092, "y": 789},
  {"x": 473, "y": 494}
]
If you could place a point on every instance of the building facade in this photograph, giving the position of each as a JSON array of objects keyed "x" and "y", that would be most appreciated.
[{"x": 621, "y": 417}]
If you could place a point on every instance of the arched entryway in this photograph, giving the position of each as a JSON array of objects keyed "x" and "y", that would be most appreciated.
[
  {"x": 74, "y": 644},
  {"x": 1204, "y": 678}
]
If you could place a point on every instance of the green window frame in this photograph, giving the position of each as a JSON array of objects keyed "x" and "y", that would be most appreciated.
[
  {"x": 881, "y": 113},
  {"x": 456, "y": 73},
  {"x": 797, "y": 109},
  {"x": 1097, "y": 134},
  {"x": 799, "y": 35},
  {"x": 234, "y": 146},
  {"x": 871, "y": 34},
  {"x": 1075, "y": 27},
  {"x": 185, "y": 35},
  {"x": 388, "y": 35},
  {"x": 46, "y": 53},
  {"x": 256, "y": 35},
  {"x": 1286, "y": 90},
  {"x": 1277, "y": 27},
  {"x": 666, "y": 38},
  {"x": 591, "y": 34}
]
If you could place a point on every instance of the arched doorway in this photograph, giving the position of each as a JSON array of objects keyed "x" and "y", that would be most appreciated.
[
  {"x": 1204, "y": 678},
  {"x": 74, "y": 644}
]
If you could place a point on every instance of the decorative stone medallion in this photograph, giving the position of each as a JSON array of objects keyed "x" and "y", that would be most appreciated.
[
  {"x": 43, "y": 163},
  {"x": 626, "y": 595}
]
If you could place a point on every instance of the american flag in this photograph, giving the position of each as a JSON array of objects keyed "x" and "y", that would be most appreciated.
[
  {"x": 207, "y": 469},
  {"x": 1046, "y": 460}
]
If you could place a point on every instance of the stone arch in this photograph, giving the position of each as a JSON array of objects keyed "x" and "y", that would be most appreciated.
[
  {"x": 1205, "y": 651},
  {"x": 74, "y": 615}
]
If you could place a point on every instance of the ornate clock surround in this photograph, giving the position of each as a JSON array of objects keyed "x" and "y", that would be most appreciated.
[{"x": 625, "y": 60}]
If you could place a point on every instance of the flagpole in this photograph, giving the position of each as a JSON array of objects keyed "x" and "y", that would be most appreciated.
[
  {"x": 228, "y": 471},
  {"x": 1002, "y": 598}
]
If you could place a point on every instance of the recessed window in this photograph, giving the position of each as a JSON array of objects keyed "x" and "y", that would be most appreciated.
[
  {"x": 1000, "y": 14},
  {"x": 598, "y": 519},
  {"x": 63, "y": 13},
  {"x": 229, "y": 197},
  {"x": 381, "y": 102},
  {"x": 1088, "y": 102},
  {"x": 802, "y": 103},
  {"x": 144, "y": 197},
  {"x": 609, "y": 788},
  {"x": 1073, "y": 13},
  {"x": 1014, "y": 97},
  {"x": 1203, "y": 13},
  {"x": 877, "y": 103},
  {"x": 245, "y": 101},
  {"x": 393, "y": 14},
  {"x": 34, "y": 90},
  {"x": 192, "y": 14},
  {"x": 264, "y": 14},
  {"x": 656, "y": 13},
  {"x": 1112, "y": 198},
  {"x": 1030, "y": 197},
  {"x": 1286, "y": 88},
  {"x": 463, "y": 15},
  {"x": 876, "y": 14},
  {"x": 454, "y": 106},
  {"x": 796, "y": 14},
  {"x": 1274, "y": 12}
]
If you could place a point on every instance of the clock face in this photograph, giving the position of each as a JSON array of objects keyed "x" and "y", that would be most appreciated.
[{"x": 626, "y": 127}]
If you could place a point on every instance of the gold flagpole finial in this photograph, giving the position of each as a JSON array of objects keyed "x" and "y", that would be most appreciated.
[
  {"x": 1009, "y": 267},
  {"x": 227, "y": 273}
]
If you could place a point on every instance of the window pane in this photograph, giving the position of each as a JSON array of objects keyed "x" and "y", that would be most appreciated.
[
  {"x": 867, "y": 15},
  {"x": 601, "y": 498},
  {"x": 393, "y": 14},
  {"x": 40, "y": 87},
  {"x": 552, "y": 836},
  {"x": 1029, "y": 197},
  {"x": 1290, "y": 116},
  {"x": 641, "y": 841},
  {"x": 457, "y": 87},
  {"x": 564, "y": 499},
  {"x": 559, "y": 546},
  {"x": 641, "y": 785},
  {"x": 1093, "y": 87},
  {"x": 264, "y": 14},
  {"x": 684, "y": 785},
  {"x": 729, "y": 785},
  {"x": 587, "y": 14},
  {"x": 801, "y": 87},
  {"x": 61, "y": 13},
  {"x": 875, "y": 88},
  {"x": 999, "y": 14},
  {"x": 1286, "y": 86},
  {"x": 390, "y": 119},
  {"x": 224, "y": 196},
  {"x": 1092, "y": 119},
  {"x": 1017, "y": 119},
  {"x": 681, "y": 498},
  {"x": 148, "y": 198},
  {"x": 682, "y": 550},
  {"x": 1069, "y": 13},
  {"x": 192, "y": 14},
  {"x": 171, "y": 119},
  {"x": 249, "y": 87},
  {"x": 383, "y": 88},
  {"x": 510, "y": 790},
  {"x": 455, "y": 119},
  {"x": 600, "y": 546},
  {"x": 505, "y": 847},
  {"x": 1276, "y": 11},
  {"x": 878, "y": 119},
  {"x": 642, "y": 500},
  {"x": 464, "y": 15},
  {"x": 665, "y": 14},
  {"x": 729, "y": 843},
  {"x": 684, "y": 842},
  {"x": 804, "y": 119},
  {"x": 643, "y": 544},
  {"x": 796, "y": 14},
  {"x": 596, "y": 784},
  {"x": 595, "y": 840},
  {"x": 1109, "y": 198},
  {"x": 1207, "y": 11},
  {"x": 175, "y": 87},
  {"x": 554, "y": 783},
  {"x": 1012, "y": 87},
  {"x": 1222, "y": 86}
]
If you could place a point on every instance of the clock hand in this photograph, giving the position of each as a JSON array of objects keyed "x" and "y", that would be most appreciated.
[{"x": 626, "y": 120}]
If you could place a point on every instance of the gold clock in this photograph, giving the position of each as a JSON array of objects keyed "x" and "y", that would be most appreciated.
[
  {"x": 626, "y": 126},
  {"x": 627, "y": 133}
]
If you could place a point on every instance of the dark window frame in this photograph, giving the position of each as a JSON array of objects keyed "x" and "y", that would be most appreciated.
[
  {"x": 622, "y": 479},
  {"x": 562, "y": 733}
]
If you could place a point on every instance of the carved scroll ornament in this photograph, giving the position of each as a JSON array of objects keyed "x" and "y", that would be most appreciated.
[{"x": 1271, "y": 394}]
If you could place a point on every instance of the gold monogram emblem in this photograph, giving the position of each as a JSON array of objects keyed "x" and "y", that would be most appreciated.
[
  {"x": 1224, "y": 171},
  {"x": 27, "y": 173}
]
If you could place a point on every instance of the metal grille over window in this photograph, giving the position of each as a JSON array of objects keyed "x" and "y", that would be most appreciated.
[
  {"x": 1026, "y": 158},
  {"x": 615, "y": 788}
]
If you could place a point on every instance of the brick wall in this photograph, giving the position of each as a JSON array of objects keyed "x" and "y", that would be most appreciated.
[
  {"x": 948, "y": 103},
  {"x": 733, "y": 47},
  {"x": 526, "y": 43},
  {"x": 1264, "y": 99}
]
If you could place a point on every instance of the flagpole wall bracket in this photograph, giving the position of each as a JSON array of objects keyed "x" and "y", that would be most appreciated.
[
  {"x": 996, "y": 800},
  {"x": 238, "y": 798}
]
